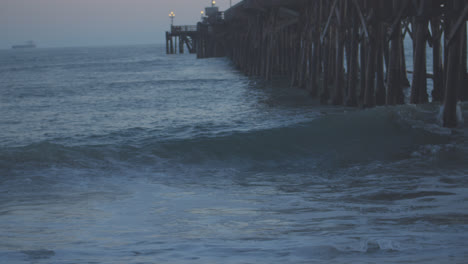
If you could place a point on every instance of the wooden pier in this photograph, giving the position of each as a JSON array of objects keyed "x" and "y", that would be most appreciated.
[
  {"x": 180, "y": 36},
  {"x": 349, "y": 52}
]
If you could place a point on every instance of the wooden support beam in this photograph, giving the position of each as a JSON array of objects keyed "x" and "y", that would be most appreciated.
[
  {"x": 288, "y": 13},
  {"x": 397, "y": 21},
  {"x": 463, "y": 75},
  {"x": 171, "y": 43},
  {"x": 395, "y": 66},
  {"x": 457, "y": 26},
  {"x": 325, "y": 31},
  {"x": 449, "y": 115},
  {"x": 438, "y": 83},
  {"x": 419, "y": 85},
  {"x": 353, "y": 61},
  {"x": 380, "y": 92},
  {"x": 167, "y": 42},
  {"x": 362, "y": 19},
  {"x": 338, "y": 97}
]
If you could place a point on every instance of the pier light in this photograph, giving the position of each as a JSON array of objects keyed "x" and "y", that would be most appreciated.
[
  {"x": 202, "y": 13},
  {"x": 213, "y": 3},
  {"x": 172, "y": 15}
]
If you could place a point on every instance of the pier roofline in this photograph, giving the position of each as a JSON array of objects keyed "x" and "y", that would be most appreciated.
[
  {"x": 349, "y": 52},
  {"x": 235, "y": 11}
]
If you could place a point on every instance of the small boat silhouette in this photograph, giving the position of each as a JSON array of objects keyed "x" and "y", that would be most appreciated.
[{"x": 28, "y": 45}]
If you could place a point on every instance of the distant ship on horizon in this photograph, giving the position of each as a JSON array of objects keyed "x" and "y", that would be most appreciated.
[{"x": 28, "y": 45}]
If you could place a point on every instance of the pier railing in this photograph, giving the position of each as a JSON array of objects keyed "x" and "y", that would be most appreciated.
[{"x": 185, "y": 28}]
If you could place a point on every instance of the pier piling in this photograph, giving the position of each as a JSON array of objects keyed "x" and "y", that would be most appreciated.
[{"x": 347, "y": 52}]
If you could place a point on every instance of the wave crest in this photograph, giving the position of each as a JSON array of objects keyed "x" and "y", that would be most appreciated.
[{"x": 331, "y": 140}]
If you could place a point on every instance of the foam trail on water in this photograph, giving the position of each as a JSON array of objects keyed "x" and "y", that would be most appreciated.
[{"x": 459, "y": 113}]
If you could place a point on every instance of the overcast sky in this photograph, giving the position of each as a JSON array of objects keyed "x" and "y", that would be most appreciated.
[{"x": 71, "y": 23}]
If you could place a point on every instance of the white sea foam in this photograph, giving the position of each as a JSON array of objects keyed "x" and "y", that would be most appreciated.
[{"x": 459, "y": 113}]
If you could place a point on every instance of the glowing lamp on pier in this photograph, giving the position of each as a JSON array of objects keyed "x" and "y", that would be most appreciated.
[
  {"x": 213, "y": 3},
  {"x": 202, "y": 14},
  {"x": 172, "y": 15}
]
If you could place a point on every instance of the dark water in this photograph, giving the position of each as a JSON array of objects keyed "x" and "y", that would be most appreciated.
[{"x": 126, "y": 155}]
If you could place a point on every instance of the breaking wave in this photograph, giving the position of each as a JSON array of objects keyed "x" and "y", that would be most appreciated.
[{"x": 334, "y": 140}]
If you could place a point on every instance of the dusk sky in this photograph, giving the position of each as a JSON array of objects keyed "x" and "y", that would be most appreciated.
[{"x": 72, "y": 23}]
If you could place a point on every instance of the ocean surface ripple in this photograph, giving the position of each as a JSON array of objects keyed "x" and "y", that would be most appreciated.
[{"x": 127, "y": 155}]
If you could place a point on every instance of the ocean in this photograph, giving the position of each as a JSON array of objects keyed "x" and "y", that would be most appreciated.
[{"x": 129, "y": 155}]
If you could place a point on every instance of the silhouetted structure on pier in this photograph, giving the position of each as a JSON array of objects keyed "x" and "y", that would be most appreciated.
[
  {"x": 183, "y": 35},
  {"x": 212, "y": 34},
  {"x": 348, "y": 52}
]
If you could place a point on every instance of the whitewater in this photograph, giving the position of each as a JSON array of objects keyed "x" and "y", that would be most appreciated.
[{"x": 129, "y": 155}]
